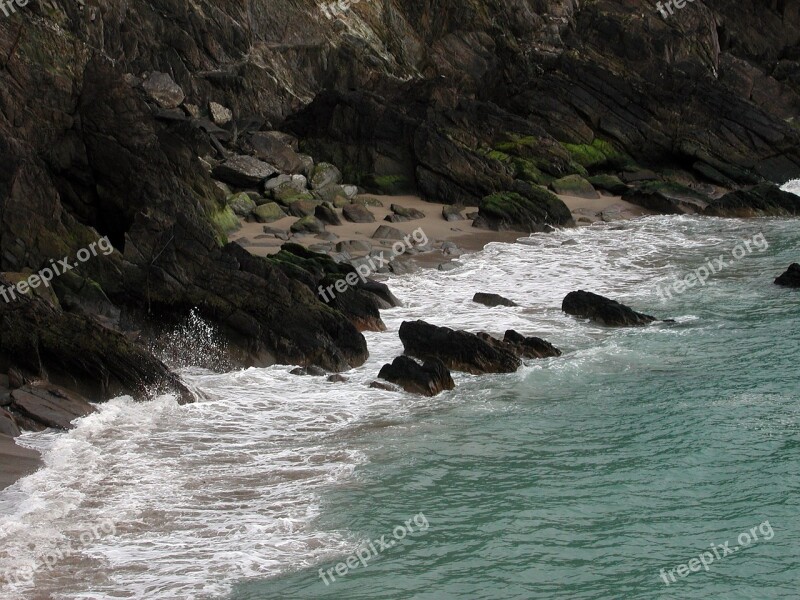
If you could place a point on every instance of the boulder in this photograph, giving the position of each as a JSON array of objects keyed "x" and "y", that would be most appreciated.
[
  {"x": 8, "y": 424},
  {"x": 791, "y": 278},
  {"x": 610, "y": 183},
  {"x": 309, "y": 371},
  {"x": 401, "y": 214},
  {"x": 531, "y": 209},
  {"x": 667, "y": 197},
  {"x": 429, "y": 379},
  {"x": 452, "y": 212},
  {"x": 604, "y": 311},
  {"x": 303, "y": 208},
  {"x": 244, "y": 171},
  {"x": 325, "y": 174},
  {"x": 356, "y": 213},
  {"x": 163, "y": 89},
  {"x": 219, "y": 114},
  {"x": 458, "y": 350},
  {"x": 492, "y": 300},
  {"x": 241, "y": 204},
  {"x": 574, "y": 185},
  {"x": 327, "y": 215},
  {"x": 308, "y": 224},
  {"x": 287, "y": 187},
  {"x": 384, "y": 232},
  {"x": 279, "y": 149},
  {"x": 267, "y": 213},
  {"x": 49, "y": 405}
]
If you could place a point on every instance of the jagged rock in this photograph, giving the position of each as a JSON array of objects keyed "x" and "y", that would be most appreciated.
[
  {"x": 492, "y": 300},
  {"x": 327, "y": 215},
  {"x": 524, "y": 347},
  {"x": 604, "y": 311},
  {"x": 219, "y": 114},
  {"x": 791, "y": 278},
  {"x": 429, "y": 379},
  {"x": 384, "y": 232},
  {"x": 163, "y": 89},
  {"x": 452, "y": 213},
  {"x": 49, "y": 405},
  {"x": 667, "y": 197},
  {"x": 532, "y": 212},
  {"x": 356, "y": 213},
  {"x": 325, "y": 174},
  {"x": 279, "y": 149},
  {"x": 268, "y": 213},
  {"x": 241, "y": 204},
  {"x": 458, "y": 350},
  {"x": 402, "y": 214},
  {"x": 574, "y": 185},
  {"x": 244, "y": 171},
  {"x": 308, "y": 224},
  {"x": 760, "y": 201}
]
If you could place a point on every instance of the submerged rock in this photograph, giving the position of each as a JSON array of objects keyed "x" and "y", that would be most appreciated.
[
  {"x": 492, "y": 300},
  {"x": 604, "y": 311},
  {"x": 429, "y": 379},
  {"x": 791, "y": 278}
]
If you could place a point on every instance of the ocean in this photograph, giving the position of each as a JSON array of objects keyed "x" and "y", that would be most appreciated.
[{"x": 609, "y": 472}]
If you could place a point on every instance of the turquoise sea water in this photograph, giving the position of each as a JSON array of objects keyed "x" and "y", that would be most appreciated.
[
  {"x": 579, "y": 477},
  {"x": 584, "y": 476}
]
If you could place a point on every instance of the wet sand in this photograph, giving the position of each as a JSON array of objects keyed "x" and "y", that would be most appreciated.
[{"x": 15, "y": 461}]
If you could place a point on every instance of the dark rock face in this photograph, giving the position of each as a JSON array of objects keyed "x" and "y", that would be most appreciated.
[
  {"x": 667, "y": 198},
  {"x": 604, "y": 311},
  {"x": 759, "y": 201},
  {"x": 49, "y": 405},
  {"x": 492, "y": 300},
  {"x": 429, "y": 379},
  {"x": 791, "y": 278},
  {"x": 524, "y": 347},
  {"x": 458, "y": 350}
]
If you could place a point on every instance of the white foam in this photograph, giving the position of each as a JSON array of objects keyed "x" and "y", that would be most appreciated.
[{"x": 792, "y": 186}]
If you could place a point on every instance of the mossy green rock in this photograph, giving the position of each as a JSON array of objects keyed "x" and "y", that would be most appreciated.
[
  {"x": 325, "y": 174},
  {"x": 308, "y": 224},
  {"x": 241, "y": 204},
  {"x": 574, "y": 185},
  {"x": 267, "y": 213},
  {"x": 532, "y": 212},
  {"x": 609, "y": 183}
]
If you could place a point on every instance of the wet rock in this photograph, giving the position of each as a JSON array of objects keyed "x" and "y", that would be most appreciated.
[
  {"x": 429, "y": 379},
  {"x": 8, "y": 424},
  {"x": 604, "y": 311},
  {"x": 49, "y": 405},
  {"x": 458, "y": 350},
  {"x": 244, "y": 171},
  {"x": 667, "y": 197},
  {"x": 532, "y": 211},
  {"x": 764, "y": 200},
  {"x": 377, "y": 385},
  {"x": 522, "y": 346},
  {"x": 337, "y": 378},
  {"x": 451, "y": 249},
  {"x": 791, "y": 278},
  {"x": 356, "y": 213},
  {"x": 163, "y": 89},
  {"x": 309, "y": 371},
  {"x": 492, "y": 300}
]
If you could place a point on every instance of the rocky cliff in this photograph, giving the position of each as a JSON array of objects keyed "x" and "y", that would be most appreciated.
[{"x": 106, "y": 130}]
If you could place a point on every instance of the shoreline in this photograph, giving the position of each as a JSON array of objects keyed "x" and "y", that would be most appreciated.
[
  {"x": 16, "y": 462},
  {"x": 585, "y": 211}
]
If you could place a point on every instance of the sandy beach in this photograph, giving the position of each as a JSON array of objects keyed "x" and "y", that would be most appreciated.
[{"x": 468, "y": 238}]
